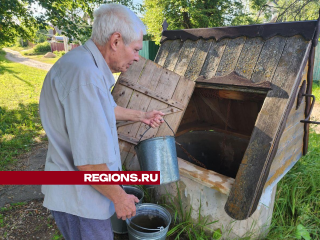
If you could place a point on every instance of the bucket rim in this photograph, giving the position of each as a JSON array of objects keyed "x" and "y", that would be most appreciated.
[
  {"x": 159, "y": 207},
  {"x": 153, "y": 138},
  {"x": 133, "y": 188}
]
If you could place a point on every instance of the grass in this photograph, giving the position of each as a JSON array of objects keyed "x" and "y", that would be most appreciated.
[
  {"x": 35, "y": 56},
  {"x": 297, "y": 206},
  {"x": 40, "y": 58},
  {"x": 182, "y": 223},
  {"x": 19, "y": 49},
  {"x": 316, "y": 90},
  {"x": 20, "y": 127}
]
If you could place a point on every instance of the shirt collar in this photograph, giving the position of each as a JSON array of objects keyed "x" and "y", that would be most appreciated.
[{"x": 100, "y": 62}]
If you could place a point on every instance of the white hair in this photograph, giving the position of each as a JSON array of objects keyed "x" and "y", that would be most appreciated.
[{"x": 111, "y": 18}]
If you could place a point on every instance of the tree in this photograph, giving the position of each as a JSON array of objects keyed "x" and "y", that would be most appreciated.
[
  {"x": 285, "y": 10},
  {"x": 16, "y": 20},
  {"x": 183, "y": 14},
  {"x": 19, "y": 17}
]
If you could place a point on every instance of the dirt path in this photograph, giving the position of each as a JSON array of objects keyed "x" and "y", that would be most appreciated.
[
  {"x": 33, "y": 161},
  {"x": 315, "y": 116},
  {"x": 15, "y": 56}
]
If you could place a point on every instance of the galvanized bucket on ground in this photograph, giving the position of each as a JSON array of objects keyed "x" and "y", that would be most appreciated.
[
  {"x": 151, "y": 222},
  {"x": 118, "y": 225},
  {"x": 159, "y": 154}
]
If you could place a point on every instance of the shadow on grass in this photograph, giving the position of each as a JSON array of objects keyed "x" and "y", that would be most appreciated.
[
  {"x": 19, "y": 129},
  {"x": 4, "y": 69}
]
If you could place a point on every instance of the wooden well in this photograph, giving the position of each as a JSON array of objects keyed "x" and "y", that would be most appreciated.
[{"x": 240, "y": 116}]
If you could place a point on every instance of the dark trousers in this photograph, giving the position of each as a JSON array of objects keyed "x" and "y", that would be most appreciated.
[{"x": 78, "y": 228}]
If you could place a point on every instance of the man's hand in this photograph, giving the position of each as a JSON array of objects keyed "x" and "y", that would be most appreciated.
[
  {"x": 153, "y": 118},
  {"x": 125, "y": 206},
  {"x": 124, "y": 203}
]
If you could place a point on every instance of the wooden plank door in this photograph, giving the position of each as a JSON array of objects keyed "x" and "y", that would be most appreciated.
[{"x": 147, "y": 86}]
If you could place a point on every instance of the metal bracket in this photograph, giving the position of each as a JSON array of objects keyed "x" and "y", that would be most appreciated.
[
  {"x": 300, "y": 93},
  {"x": 311, "y": 108}
]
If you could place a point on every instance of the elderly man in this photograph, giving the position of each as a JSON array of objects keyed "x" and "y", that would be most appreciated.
[{"x": 79, "y": 116}]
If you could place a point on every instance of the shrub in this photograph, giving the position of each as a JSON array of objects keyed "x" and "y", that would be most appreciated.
[
  {"x": 59, "y": 53},
  {"x": 42, "y": 47},
  {"x": 29, "y": 52}
]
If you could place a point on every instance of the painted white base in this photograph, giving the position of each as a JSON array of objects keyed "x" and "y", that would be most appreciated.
[{"x": 212, "y": 205}]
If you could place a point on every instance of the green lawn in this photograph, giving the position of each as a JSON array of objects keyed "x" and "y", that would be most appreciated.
[
  {"x": 20, "y": 127},
  {"x": 297, "y": 207},
  {"x": 40, "y": 58},
  {"x": 316, "y": 91}
]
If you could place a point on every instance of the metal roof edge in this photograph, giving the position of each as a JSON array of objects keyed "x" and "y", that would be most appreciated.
[{"x": 266, "y": 31}]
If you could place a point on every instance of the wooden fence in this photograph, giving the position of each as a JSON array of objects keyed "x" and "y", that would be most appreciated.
[{"x": 57, "y": 46}]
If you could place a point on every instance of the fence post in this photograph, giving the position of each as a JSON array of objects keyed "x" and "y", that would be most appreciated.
[{"x": 65, "y": 42}]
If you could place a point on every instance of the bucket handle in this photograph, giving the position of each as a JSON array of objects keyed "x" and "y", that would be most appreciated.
[
  {"x": 150, "y": 127},
  {"x": 148, "y": 229}
]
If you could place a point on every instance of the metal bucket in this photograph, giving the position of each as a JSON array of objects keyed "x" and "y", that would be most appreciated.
[
  {"x": 159, "y": 154},
  {"x": 151, "y": 222},
  {"x": 118, "y": 225}
]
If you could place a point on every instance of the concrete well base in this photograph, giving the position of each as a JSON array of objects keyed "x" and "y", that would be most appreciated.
[{"x": 212, "y": 206}]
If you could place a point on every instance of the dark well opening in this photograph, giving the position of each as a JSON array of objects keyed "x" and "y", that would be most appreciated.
[{"x": 217, "y": 126}]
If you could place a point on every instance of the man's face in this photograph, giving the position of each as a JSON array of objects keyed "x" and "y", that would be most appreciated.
[{"x": 126, "y": 55}]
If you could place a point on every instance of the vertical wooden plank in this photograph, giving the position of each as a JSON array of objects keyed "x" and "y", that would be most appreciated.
[
  {"x": 214, "y": 55},
  {"x": 150, "y": 79},
  {"x": 183, "y": 94},
  {"x": 122, "y": 94},
  {"x": 245, "y": 113},
  {"x": 139, "y": 101},
  {"x": 248, "y": 57},
  {"x": 163, "y": 52},
  {"x": 165, "y": 88},
  {"x": 173, "y": 55},
  {"x": 191, "y": 113},
  {"x": 198, "y": 58},
  {"x": 204, "y": 111},
  {"x": 184, "y": 88},
  {"x": 230, "y": 56},
  {"x": 255, "y": 165},
  {"x": 268, "y": 59},
  {"x": 185, "y": 56}
]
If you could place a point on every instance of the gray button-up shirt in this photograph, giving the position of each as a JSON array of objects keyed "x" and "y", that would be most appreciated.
[{"x": 77, "y": 113}]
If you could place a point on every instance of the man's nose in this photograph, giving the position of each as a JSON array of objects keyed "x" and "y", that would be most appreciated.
[{"x": 136, "y": 57}]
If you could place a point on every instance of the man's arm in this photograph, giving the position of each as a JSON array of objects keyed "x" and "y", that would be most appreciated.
[
  {"x": 152, "y": 118},
  {"x": 124, "y": 203}
]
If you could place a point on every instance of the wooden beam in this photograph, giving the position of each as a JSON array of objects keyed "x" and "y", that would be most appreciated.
[
  {"x": 166, "y": 111},
  {"x": 230, "y": 88},
  {"x": 205, "y": 177},
  {"x": 128, "y": 139},
  {"x": 126, "y": 82},
  {"x": 204, "y": 126},
  {"x": 241, "y": 96}
]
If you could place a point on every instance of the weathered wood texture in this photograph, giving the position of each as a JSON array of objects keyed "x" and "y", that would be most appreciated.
[
  {"x": 230, "y": 56},
  {"x": 277, "y": 60},
  {"x": 291, "y": 142},
  {"x": 206, "y": 177},
  {"x": 256, "y": 162},
  {"x": 210, "y": 107},
  {"x": 148, "y": 86}
]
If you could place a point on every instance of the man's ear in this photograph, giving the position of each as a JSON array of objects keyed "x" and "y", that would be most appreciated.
[{"x": 115, "y": 40}]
